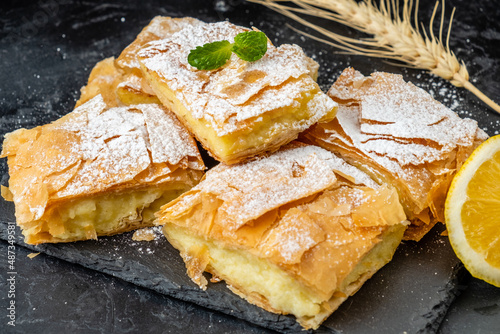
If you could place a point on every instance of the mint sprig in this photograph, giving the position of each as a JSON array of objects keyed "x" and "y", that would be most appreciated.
[
  {"x": 210, "y": 56},
  {"x": 249, "y": 46}
]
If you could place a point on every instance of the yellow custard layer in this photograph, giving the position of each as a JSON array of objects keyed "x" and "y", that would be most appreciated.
[
  {"x": 249, "y": 275},
  {"x": 263, "y": 133},
  {"x": 106, "y": 214}
]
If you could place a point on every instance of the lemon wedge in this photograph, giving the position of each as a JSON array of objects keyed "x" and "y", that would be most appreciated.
[{"x": 472, "y": 212}]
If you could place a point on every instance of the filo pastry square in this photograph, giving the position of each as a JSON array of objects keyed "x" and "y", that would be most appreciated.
[
  {"x": 243, "y": 108},
  {"x": 98, "y": 171},
  {"x": 296, "y": 232},
  {"x": 399, "y": 135}
]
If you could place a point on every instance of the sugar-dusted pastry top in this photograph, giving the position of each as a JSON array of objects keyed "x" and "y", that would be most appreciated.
[
  {"x": 120, "y": 80},
  {"x": 398, "y": 120},
  {"x": 400, "y": 135},
  {"x": 160, "y": 27},
  {"x": 302, "y": 208},
  {"x": 94, "y": 149},
  {"x": 238, "y": 91},
  {"x": 251, "y": 189}
]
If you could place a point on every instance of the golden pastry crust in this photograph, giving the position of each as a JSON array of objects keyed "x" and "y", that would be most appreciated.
[
  {"x": 295, "y": 232},
  {"x": 120, "y": 81},
  {"x": 97, "y": 152},
  {"x": 243, "y": 108},
  {"x": 103, "y": 80},
  {"x": 160, "y": 27},
  {"x": 400, "y": 135}
]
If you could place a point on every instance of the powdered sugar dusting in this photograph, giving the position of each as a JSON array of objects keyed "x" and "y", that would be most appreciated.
[
  {"x": 227, "y": 82},
  {"x": 351, "y": 173},
  {"x": 162, "y": 26},
  {"x": 399, "y": 120},
  {"x": 115, "y": 144},
  {"x": 349, "y": 121},
  {"x": 238, "y": 91},
  {"x": 159, "y": 27},
  {"x": 169, "y": 139},
  {"x": 132, "y": 81},
  {"x": 291, "y": 238},
  {"x": 254, "y": 188}
]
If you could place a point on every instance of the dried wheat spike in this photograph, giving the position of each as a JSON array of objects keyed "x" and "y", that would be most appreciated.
[{"x": 394, "y": 36}]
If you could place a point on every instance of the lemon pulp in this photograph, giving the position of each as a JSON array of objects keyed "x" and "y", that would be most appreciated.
[{"x": 481, "y": 211}]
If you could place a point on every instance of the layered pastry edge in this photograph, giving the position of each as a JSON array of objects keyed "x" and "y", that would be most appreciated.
[{"x": 399, "y": 135}]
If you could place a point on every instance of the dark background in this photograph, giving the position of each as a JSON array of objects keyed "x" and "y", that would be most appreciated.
[{"x": 47, "y": 49}]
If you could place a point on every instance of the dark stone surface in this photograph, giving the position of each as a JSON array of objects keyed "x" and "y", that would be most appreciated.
[
  {"x": 47, "y": 51},
  {"x": 412, "y": 293},
  {"x": 72, "y": 299},
  {"x": 476, "y": 310}
]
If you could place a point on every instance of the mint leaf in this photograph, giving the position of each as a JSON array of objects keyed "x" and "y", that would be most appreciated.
[
  {"x": 250, "y": 45},
  {"x": 210, "y": 56}
]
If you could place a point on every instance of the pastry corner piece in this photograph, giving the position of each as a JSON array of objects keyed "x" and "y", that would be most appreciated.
[
  {"x": 242, "y": 109},
  {"x": 296, "y": 232},
  {"x": 120, "y": 81},
  {"x": 98, "y": 171},
  {"x": 399, "y": 135}
]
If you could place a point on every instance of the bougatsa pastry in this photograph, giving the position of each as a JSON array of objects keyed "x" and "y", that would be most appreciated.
[
  {"x": 98, "y": 171},
  {"x": 296, "y": 232},
  {"x": 399, "y": 135},
  {"x": 243, "y": 108},
  {"x": 120, "y": 81}
]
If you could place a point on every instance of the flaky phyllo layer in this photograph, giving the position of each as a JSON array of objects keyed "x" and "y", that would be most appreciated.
[
  {"x": 399, "y": 135},
  {"x": 296, "y": 232},
  {"x": 120, "y": 81},
  {"x": 98, "y": 170},
  {"x": 243, "y": 108}
]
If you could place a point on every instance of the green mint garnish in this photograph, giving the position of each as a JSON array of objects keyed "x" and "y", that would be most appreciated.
[
  {"x": 210, "y": 56},
  {"x": 249, "y": 46}
]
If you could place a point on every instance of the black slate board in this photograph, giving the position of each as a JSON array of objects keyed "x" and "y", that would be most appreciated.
[
  {"x": 476, "y": 310},
  {"x": 48, "y": 49},
  {"x": 412, "y": 293},
  {"x": 70, "y": 298}
]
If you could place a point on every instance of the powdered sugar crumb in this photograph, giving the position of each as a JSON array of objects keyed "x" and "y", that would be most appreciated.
[{"x": 144, "y": 234}]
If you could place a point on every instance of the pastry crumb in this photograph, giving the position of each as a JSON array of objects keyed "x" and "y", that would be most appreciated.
[
  {"x": 32, "y": 255},
  {"x": 144, "y": 234},
  {"x": 215, "y": 279},
  {"x": 6, "y": 194}
]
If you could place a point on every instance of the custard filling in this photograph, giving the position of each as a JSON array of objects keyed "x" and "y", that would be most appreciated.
[
  {"x": 269, "y": 129},
  {"x": 130, "y": 96},
  {"x": 102, "y": 215},
  {"x": 253, "y": 275},
  {"x": 249, "y": 273}
]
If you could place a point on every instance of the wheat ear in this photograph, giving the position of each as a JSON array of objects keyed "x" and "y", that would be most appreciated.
[{"x": 394, "y": 36}]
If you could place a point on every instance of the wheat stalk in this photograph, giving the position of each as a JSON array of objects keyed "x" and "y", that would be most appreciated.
[{"x": 394, "y": 35}]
